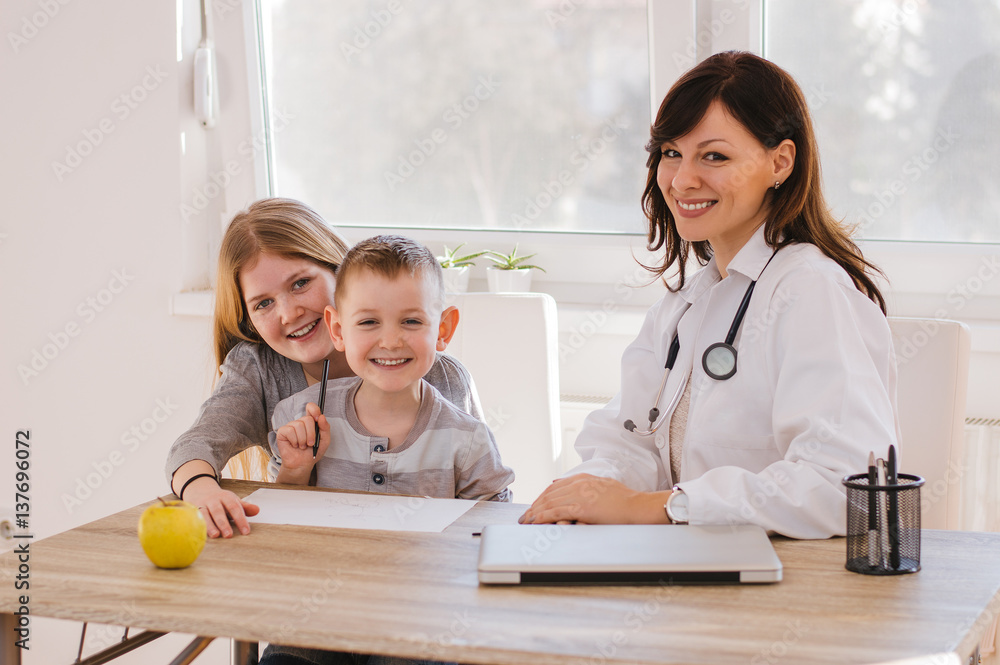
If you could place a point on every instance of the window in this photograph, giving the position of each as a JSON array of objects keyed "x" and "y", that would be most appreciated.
[
  {"x": 521, "y": 115},
  {"x": 356, "y": 89},
  {"x": 905, "y": 95},
  {"x": 532, "y": 114},
  {"x": 385, "y": 115}
]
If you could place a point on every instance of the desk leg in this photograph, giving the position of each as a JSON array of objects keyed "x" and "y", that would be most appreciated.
[
  {"x": 192, "y": 650},
  {"x": 244, "y": 653},
  {"x": 10, "y": 653}
]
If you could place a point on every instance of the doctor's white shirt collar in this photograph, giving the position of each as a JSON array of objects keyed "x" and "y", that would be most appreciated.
[{"x": 749, "y": 262}]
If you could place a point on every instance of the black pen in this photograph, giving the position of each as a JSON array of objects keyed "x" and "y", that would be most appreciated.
[
  {"x": 893, "y": 479},
  {"x": 872, "y": 511},
  {"x": 883, "y": 541},
  {"x": 322, "y": 403}
]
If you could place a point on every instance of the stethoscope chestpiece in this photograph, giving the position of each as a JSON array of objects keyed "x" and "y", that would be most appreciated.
[{"x": 719, "y": 361}]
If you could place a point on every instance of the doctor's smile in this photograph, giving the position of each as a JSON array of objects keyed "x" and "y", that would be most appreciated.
[{"x": 694, "y": 208}]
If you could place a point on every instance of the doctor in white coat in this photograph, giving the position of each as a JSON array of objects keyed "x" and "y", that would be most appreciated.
[{"x": 756, "y": 384}]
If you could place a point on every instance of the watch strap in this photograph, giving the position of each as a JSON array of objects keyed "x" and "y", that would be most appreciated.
[{"x": 676, "y": 506}]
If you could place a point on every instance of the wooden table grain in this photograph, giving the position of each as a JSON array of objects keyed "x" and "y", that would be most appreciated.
[{"x": 416, "y": 595}]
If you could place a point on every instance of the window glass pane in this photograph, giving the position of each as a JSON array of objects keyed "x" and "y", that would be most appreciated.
[
  {"x": 906, "y": 100},
  {"x": 516, "y": 114}
]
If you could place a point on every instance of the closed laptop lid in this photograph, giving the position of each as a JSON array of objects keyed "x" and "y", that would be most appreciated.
[{"x": 626, "y": 554}]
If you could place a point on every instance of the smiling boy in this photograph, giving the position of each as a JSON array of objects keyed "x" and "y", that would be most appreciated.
[{"x": 387, "y": 430}]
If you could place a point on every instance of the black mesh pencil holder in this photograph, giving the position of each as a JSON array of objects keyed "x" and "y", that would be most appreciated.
[{"x": 883, "y": 525}]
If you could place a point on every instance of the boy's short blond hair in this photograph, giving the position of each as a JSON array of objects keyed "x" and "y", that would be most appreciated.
[{"x": 388, "y": 255}]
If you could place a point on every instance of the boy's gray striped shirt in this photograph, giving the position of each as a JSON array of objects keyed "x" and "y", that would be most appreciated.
[{"x": 447, "y": 454}]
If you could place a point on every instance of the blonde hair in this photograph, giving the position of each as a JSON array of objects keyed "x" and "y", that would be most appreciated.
[
  {"x": 278, "y": 226},
  {"x": 283, "y": 227}
]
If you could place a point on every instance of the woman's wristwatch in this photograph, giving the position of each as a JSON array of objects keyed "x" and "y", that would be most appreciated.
[{"x": 677, "y": 506}]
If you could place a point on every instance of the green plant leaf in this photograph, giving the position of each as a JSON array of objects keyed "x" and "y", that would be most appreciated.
[
  {"x": 509, "y": 261},
  {"x": 452, "y": 260},
  {"x": 515, "y": 262}
]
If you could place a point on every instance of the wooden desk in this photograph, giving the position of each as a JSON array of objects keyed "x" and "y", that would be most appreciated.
[{"x": 416, "y": 595}]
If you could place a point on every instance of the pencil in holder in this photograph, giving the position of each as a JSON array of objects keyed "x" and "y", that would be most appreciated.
[{"x": 883, "y": 525}]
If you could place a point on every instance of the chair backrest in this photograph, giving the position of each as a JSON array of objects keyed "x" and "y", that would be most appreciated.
[
  {"x": 509, "y": 343},
  {"x": 932, "y": 360}
]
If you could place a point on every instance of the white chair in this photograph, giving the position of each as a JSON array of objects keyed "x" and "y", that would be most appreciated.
[
  {"x": 509, "y": 343},
  {"x": 932, "y": 360}
]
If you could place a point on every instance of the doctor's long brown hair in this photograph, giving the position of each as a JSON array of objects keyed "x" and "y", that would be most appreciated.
[{"x": 769, "y": 104}]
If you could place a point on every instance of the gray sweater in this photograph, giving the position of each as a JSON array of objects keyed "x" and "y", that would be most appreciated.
[{"x": 254, "y": 379}]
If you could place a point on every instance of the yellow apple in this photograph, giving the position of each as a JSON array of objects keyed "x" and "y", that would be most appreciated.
[{"x": 172, "y": 533}]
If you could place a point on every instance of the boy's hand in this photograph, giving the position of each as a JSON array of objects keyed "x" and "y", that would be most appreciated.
[{"x": 295, "y": 446}]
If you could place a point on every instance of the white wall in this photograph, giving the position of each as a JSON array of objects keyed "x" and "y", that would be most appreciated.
[{"x": 89, "y": 262}]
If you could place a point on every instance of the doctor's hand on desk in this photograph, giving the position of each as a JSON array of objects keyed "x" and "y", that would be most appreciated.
[
  {"x": 594, "y": 500},
  {"x": 219, "y": 507}
]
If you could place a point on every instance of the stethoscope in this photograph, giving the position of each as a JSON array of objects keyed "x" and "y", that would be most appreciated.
[{"x": 718, "y": 361}]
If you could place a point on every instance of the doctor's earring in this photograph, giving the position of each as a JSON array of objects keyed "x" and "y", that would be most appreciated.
[{"x": 777, "y": 184}]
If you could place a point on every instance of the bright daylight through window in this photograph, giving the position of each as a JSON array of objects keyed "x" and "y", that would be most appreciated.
[
  {"x": 905, "y": 95},
  {"x": 533, "y": 114},
  {"x": 488, "y": 115}
]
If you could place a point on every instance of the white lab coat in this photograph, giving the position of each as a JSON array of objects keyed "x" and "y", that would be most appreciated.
[{"x": 814, "y": 392}]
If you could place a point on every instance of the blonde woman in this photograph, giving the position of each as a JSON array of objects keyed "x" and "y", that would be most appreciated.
[{"x": 277, "y": 268}]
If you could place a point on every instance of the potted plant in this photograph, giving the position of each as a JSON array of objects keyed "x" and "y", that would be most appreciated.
[
  {"x": 509, "y": 272},
  {"x": 456, "y": 269}
]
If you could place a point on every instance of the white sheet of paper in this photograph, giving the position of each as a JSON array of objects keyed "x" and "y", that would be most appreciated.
[{"x": 356, "y": 511}]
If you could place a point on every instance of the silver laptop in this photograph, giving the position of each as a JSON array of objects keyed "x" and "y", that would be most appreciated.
[{"x": 626, "y": 554}]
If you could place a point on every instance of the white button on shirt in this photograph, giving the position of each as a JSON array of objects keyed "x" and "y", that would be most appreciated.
[{"x": 814, "y": 392}]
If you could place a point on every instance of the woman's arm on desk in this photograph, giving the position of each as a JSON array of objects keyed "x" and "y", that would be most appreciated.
[
  {"x": 594, "y": 500},
  {"x": 231, "y": 420},
  {"x": 218, "y": 506}
]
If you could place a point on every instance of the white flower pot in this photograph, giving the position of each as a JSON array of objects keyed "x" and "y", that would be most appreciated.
[
  {"x": 456, "y": 280},
  {"x": 509, "y": 281}
]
